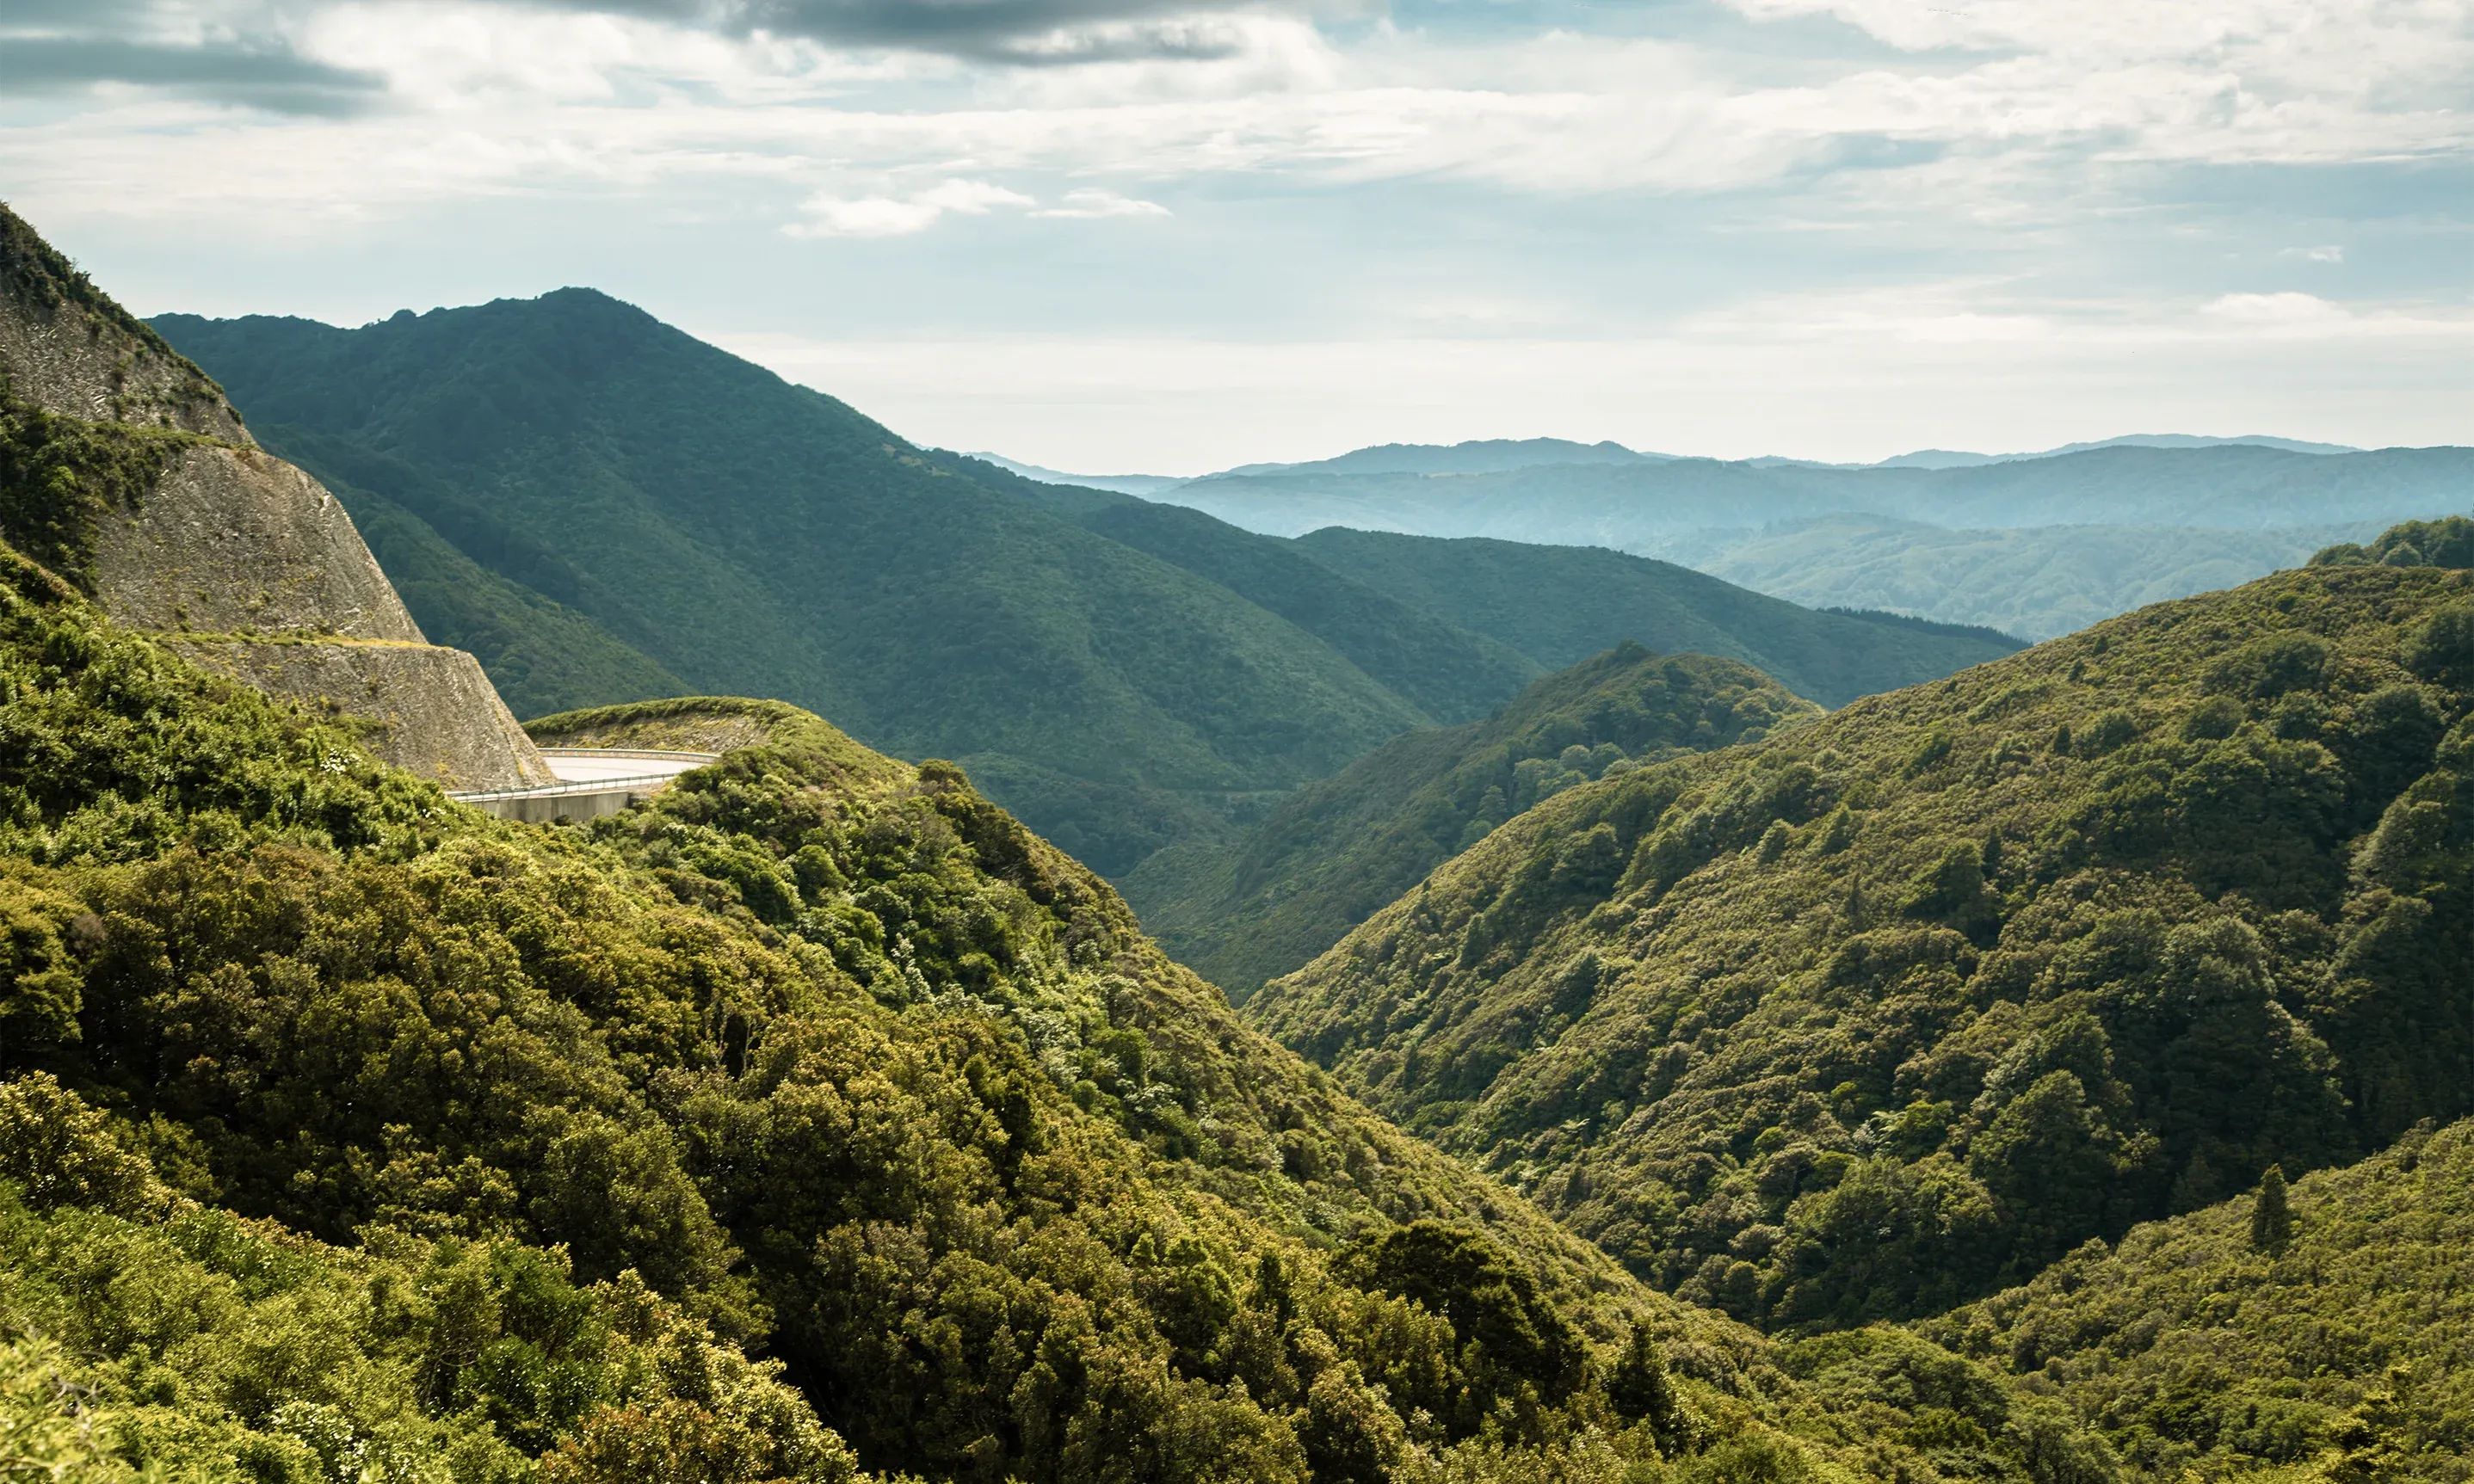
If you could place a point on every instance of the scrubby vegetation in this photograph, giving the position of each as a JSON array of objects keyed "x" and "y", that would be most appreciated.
[
  {"x": 1335, "y": 851},
  {"x": 1901, "y": 1006},
  {"x": 2339, "y": 1353},
  {"x": 349, "y": 1133},
  {"x": 58, "y": 476}
]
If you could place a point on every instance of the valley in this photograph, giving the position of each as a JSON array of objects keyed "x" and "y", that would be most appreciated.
[{"x": 1101, "y": 991}]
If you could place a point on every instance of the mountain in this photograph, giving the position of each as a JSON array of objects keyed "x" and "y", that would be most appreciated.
[
  {"x": 347, "y": 1132},
  {"x": 2337, "y": 1351},
  {"x": 1336, "y": 851},
  {"x": 1948, "y": 458},
  {"x": 745, "y": 536},
  {"x": 603, "y": 510},
  {"x": 1119, "y": 484},
  {"x": 1559, "y": 604},
  {"x": 1627, "y": 505},
  {"x": 1478, "y": 456},
  {"x": 1897, "y": 1007},
  {"x": 2037, "y": 582}
]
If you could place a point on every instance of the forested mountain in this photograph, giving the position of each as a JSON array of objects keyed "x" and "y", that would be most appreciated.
[
  {"x": 1447, "y": 671},
  {"x": 603, "y": 509},
  {"x": 749, "y": 537},
  {"x": 1338, "y": 850},
  {"x": 346, "y": 1133},
  {"x": 1560, "y": 605},
  {"x": 1900, "y": 1006}
]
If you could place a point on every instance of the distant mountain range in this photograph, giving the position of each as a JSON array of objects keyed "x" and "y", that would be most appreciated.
[
  {"x": 1500, "y": 455},
  {"x": 2036, "y": 543}
]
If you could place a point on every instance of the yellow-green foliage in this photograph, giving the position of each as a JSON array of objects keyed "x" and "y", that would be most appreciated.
[
  {"x": 820, "y": 1055},
  {"x": 1903, "y": 1005},
  {"x": 2342, "y": 1354},
  {"x": 147, "y": 1334}
]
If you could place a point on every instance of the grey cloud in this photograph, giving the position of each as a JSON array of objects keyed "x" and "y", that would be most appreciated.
[
  {"x": 266, "y": 76},
  {"x": 1030, "y": 33}
]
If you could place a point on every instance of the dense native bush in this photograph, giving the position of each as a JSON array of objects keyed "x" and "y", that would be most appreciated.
[
  {"x": 1338, "y": 850},
  {"x": 355, "y": 1135},
  {"x": 1906, "y": 1004}
]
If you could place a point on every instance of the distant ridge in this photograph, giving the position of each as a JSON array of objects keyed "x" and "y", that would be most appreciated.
[
  {"x": 1504, "y": 455},
  {"x": 1115, "y": 484}
]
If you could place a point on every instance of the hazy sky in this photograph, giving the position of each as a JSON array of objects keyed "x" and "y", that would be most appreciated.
[{"x": 1141, "y": 235}]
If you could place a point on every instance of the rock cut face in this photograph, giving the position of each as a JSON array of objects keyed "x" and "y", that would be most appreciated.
[
  {"x": 68, "y": 349},
  {"x": 238, "y": 560},
  {"x": 233, "y": 541}
]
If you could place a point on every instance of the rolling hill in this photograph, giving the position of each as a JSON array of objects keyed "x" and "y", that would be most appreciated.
[{"x": 1897, "y": 1006}]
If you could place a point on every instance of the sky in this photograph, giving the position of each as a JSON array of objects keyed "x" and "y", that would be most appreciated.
[{"x": 1159, "y": 236}]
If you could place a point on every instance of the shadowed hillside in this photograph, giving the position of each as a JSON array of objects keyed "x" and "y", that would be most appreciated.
[{"x": 1338, "y": 850}]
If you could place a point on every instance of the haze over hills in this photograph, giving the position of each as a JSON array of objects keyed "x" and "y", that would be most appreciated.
[
  {"x": 2034, "y": 543},
  {"x": 604, "y": 509}
]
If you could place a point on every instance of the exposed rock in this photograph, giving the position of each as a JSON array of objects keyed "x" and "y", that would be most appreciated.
[
  {"x": 238, "y": 560},
  {"x": 436, "y": 713},
  {"x": 67, "y": 348},
  {"x": 231, "y": 540}
]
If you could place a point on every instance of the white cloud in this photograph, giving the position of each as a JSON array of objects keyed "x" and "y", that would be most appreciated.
[
  {"x": 1091, "y": 201},
  {"x": 890, "y": 216}
]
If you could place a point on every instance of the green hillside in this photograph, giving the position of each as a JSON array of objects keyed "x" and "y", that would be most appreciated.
[
  {"x": 745, "y": 536},
  {"x": 2336, "y": 1355},
  {"x": 1338, "y": 850},
  {"x": 349, "y": 1133},
  {"x": 1897, "y": 1006},
  {"x": 602, "y": 509},
  {"x": 1560, "y": 605},
  {"x": 1447, "y": 672}
]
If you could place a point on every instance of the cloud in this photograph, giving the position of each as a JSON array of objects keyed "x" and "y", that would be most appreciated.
[
  {"x": 264, "y": 75},
  {"x": 890, "y": 216},
  {"x": 1091, "y": 201},
  {"x": 1029, "y": 32}
]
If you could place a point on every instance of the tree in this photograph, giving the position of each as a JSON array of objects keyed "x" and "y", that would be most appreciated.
[{"x": 2271, "y": 1215}]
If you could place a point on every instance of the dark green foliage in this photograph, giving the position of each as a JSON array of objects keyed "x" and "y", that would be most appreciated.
[
  {"x": 749, "y": 537},
  {"x": 2271, "y": 1218},
  {"x": 2335, "y": 1349},
  {"x": 1337, "y": 851},
  {"x": 219, "y": 1349},
  {"x": 1911, "y": 1002},
  {"x": 1559, "y": 604},
  {"x": 1446, "y": 672}
]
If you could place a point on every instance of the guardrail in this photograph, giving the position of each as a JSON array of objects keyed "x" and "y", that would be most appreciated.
[{"x": 644, "y": 783}]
